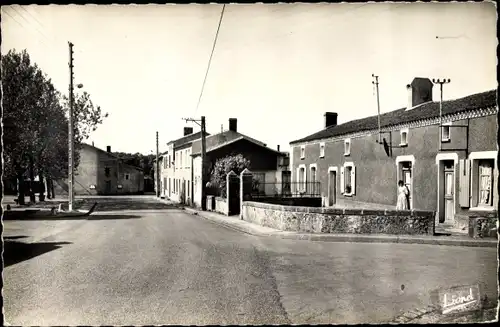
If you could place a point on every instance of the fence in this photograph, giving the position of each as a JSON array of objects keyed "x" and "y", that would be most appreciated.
[{"x": 286, "y": 189}]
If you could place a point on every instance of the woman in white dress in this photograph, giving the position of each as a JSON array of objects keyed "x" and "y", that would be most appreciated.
[{"x": 402, "y": 196}]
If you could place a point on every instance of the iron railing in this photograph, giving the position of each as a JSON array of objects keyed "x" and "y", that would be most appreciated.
[{"x": 286, "y": 189}]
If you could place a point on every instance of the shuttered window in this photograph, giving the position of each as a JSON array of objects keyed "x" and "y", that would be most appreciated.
[
  {"x": 464, "y": 183},
  {"x": 348, "y": 179}
]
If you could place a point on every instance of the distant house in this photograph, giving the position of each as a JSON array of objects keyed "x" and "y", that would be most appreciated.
[
  {"x": 175, "y": 168},
  {"x": 450, "y": 169},
  {"x": 268, "y": 166},
  {"x": 102, "y": 173}
]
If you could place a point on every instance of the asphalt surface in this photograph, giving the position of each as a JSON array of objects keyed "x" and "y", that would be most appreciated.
[{"x": 169, "y": 267}]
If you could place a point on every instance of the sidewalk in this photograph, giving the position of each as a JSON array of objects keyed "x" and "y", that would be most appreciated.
[{"x": 233, "y": 222}]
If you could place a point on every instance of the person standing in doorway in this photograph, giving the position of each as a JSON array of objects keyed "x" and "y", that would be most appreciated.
[{"x": 403, "y": 193}]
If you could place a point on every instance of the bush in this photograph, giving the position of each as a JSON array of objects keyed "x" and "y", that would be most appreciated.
[{"x": 222, "y": 167}]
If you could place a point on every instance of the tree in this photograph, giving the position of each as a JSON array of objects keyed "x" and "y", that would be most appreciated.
[
  {"x": 36, "y": 123},
  {"x": 222, "y": 167}
]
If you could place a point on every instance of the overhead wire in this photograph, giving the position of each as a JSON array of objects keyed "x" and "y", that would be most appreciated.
[{"x": 210, "y": 59}]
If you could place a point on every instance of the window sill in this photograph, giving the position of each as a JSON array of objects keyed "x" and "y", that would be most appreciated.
[
  {"x": 347, "y": 154},
  {"x": 445, "y": 140},
  {"x": 403, "y": 145},
  {"x": 348, "y": 195},
  {"x": 482, "y": 209},
  {"x": 321, "y": 156}
]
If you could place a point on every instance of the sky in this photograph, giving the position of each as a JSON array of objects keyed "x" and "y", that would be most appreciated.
[{"x": 277, "y": 68}]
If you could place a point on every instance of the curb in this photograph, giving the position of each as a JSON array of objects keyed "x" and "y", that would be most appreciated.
[{"x": 345, "y": 238}]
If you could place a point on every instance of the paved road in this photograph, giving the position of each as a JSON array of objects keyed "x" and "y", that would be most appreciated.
[{"x": 169, "y": 267}]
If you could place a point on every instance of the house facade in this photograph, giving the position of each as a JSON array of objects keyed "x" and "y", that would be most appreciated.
[
  {"x": 448, "y": 161},
  {"x": 268, "y": 166},
  {"x": 175, "y": 168},
  {"x": 101, "y": 173}
]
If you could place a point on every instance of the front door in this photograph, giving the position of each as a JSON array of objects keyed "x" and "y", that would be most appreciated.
[
  {"x": 449, "y": 191},
  {"x": 332, "y": 188},
  {"x": 407, "y": 180},
  {"x": 286, "y": 178},
  {"x": 108, "y": 187}
]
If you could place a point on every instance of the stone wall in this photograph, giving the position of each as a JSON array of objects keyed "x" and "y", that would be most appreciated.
[
  {"x": 289, "y": 201},
  {"x": 328, "y": 220},
  {"x": 484, "y": 225},
  {"x": 221, "y": 206}
]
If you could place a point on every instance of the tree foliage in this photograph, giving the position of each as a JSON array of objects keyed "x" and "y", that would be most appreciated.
[
  {"x": 138, "y": 160},
  {"x": 35, "y": 117},
  {"x": 223, "y": 166}
]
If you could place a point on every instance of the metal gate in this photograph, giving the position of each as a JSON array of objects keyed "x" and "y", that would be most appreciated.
[{"x": 234, "y": 195}]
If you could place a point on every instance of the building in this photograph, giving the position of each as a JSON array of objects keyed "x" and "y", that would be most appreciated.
[
  {"x": 267, "y": 165},
  {"x": 450, "y": 169},
  {"x": 101, "y": 173},
  {"x": 175, "y": 167}
]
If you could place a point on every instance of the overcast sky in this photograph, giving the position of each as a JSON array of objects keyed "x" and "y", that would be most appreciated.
[{"x": 276, "y": 68}]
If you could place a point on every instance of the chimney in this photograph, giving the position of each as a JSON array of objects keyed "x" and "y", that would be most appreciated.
[
  {"x": 419, "y": 92},
  {"x": 108, "y": 149},
  {"x": 330, "y": 119},
  {"x": 233, "y": 124},
  {"x": 278, "y": 147},
  {"x": 188, "y": 131}
]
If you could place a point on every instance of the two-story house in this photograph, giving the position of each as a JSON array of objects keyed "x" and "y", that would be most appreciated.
[
  {"x": 448, "y": 160},
  {"x": 175, "y": 168}
]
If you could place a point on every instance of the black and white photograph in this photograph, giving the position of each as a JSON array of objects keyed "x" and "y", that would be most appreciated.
[{"x": 249, "y": 163}]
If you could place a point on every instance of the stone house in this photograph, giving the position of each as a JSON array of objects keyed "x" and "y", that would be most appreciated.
[
  {"x": 102, "y": 173},
  {"x": 450, "y": 169},
  {"x": 269, "y": 166}
]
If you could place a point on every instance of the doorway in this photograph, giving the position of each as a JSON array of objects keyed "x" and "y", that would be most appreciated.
[
  {"x": 107, "y": 189},
  {"x": 449, "y": 191},
  {"x": 332, "y": 188},
  {"x": 407, "y": 180}
]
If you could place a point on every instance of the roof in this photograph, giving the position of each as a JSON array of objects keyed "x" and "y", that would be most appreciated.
[
  {"x": 186, "y": 139},
  {"x": 424, "y": 111},
  {"x": 223, "y": 139},
  {"x": 111, "y": 155}
]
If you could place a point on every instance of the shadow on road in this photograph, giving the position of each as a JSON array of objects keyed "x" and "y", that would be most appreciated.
[
  {"x": 15, "y": 252},
  {"x": 54, "y": 218},
  {"x": 109, "y": 217},
  {"x": 13, "y": 237}
]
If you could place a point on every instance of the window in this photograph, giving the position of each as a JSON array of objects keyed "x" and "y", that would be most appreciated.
[
  {"x": 404, "y": 137},
  {"x": 348, "y": 179},
  {"x": 169, "y": 161},
  {"x": 347, "y": 147},
  {"x": 322, "y": 150},
  {"x": 127, "y": 176},
  {"x": 445, "y": 132},
  {"x": 106, "y": 171},
  {"x": 165, "y": 162},
  {"x": 485, "y": 181},
  {"x": 187, "y": 186},
  {"x": 180, "y": 161},
  {"x": 259, "y": 185},
  {"x": 301, "y": 185},
  {"x": 313, "y": 187},
  {"x": 302, "y": 152}
]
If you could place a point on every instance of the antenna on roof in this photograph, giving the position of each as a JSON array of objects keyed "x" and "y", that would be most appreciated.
[{"x": 375, "y": 82}]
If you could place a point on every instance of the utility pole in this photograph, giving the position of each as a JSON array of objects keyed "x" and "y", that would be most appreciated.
[
  {"x": 157, "y": 168},
  {"x": 70, "y": 132},
  {"x": 201, "y": 123},
  {"x": 375, "y": 82},
  {"x": 441, "y": 82}
]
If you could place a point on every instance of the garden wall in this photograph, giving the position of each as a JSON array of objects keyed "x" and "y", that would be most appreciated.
[
  {"x": 484, "y": 225},
  {"x": 329, "y": 220},
  {"x": 221, "y": 206},
  {"x": 296, "y": 201}
]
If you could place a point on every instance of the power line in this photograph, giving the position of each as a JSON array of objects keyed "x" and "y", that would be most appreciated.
[
  {"x": 21, "y": 25},
  {"x": 22, "y": 16},
  {"x": 34, "y": 18},
  {"x": 210, "y": 60}
]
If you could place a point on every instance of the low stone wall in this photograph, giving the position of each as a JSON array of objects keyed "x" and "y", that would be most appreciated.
[
  {"x": 484, "y": 225},
  {"x": 221, "y": 206},
  {"x": 289, "y": 201},
  {"x": 329, "y": 220}
]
